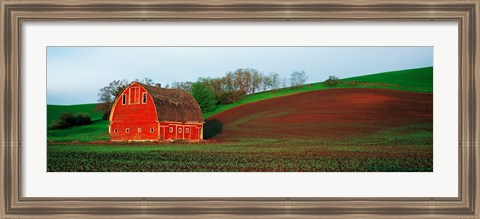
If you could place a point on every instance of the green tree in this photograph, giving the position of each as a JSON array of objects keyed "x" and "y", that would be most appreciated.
[{"x": 204, "y": 96}]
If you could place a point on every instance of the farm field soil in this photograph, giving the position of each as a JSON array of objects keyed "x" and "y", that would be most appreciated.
[
  {"x": 347, "y": 130},
  {"x": 333, "y": 114}
]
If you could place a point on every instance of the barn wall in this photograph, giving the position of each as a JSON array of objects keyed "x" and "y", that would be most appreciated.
[
  {"x": 181, "y": 131},
  {"x": 138, "y": 117}
]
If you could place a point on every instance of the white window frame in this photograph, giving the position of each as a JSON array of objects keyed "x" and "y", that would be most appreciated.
[
  {"x": 171, "y": 129},
  {"x": 127, "y": 130}
]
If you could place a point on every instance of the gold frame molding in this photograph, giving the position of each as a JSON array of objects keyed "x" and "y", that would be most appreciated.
[{"x": 15, "y": 12}]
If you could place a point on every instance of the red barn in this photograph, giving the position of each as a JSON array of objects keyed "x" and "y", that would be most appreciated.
[{"x": 147, "y": 113}]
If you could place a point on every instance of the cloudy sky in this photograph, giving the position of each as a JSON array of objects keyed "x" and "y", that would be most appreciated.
[{"x": 76, "y": 74}]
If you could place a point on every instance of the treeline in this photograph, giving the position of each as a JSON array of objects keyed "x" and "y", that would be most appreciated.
[
  {"x": 210, "y": 92},
  {"x": 238, "y": 84}
]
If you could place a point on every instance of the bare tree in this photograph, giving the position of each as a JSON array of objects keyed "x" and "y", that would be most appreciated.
[
  {"x": 298, "y": 78},
  {"x": 257, "y": 81},
  {"x": 275, "y": 80},
  {"x": 185, "y": 85},
  {"x": 266, "y": 83},
  {"x": 147, "y": 81},
  {"x": 241, "y": 80},
  {"x": 107, "y": 96},
  {"x": 284, "y": 82}
]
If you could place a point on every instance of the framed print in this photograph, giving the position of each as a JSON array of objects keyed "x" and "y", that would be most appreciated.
[
  {"x": 239, "y": 109},
  {"x": 244, "y": 110}
]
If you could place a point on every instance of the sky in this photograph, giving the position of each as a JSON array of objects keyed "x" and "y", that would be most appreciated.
[{"x": 76, "y": 74}]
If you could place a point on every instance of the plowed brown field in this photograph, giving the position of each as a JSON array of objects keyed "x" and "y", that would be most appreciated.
[{"x": 332, "y": 113}]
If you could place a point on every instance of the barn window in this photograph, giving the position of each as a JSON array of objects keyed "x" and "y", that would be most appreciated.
[
  {"x": 124, "y": 99},
  {"x": 179, "y": 130},
  {"x": 171, "y": 130},
  {"x": 116, "y": 130},
  {"x": 134, "y": 95},
  {"x": 187, "y": 130},
  {"x": 144, "y": 97},
  {"x": 152, "y": 130},
  {"x": 127, "y": 130},
  {"x": 139, "y": 130}
]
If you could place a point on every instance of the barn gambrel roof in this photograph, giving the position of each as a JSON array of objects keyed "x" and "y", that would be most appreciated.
[{"x": 174, "y": 104}]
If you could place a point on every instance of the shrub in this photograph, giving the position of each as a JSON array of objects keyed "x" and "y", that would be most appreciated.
[
  {"x": 66, "y": 120},
  {"x": 332, "y": 81},
  {"x": 352, "y": 83},
  {"x": 230, "y": 97}
]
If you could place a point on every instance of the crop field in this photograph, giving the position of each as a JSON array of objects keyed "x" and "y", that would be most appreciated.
[
  {"x": 347, "y": 130},
  {"x": 388, "y": 153}
]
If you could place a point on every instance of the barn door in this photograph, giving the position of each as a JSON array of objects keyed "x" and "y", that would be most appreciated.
[
  {"x": 188, "y": 133},
  {"x": 194, "y": 132},
  {"x": 180, "y": 132},
  {"x": 171, "y": 132}
]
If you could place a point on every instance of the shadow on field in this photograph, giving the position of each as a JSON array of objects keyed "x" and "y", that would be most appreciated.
[{"x": 212, "y": 128}]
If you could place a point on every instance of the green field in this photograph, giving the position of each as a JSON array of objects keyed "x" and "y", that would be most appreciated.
[
  {"x": 98, "y": 130},
  {"x": 384, "y": 151},
  {"x": 405, "y": 148},
  {"x": 415, "y": 80}
]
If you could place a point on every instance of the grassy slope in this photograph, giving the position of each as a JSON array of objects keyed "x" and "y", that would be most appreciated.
[
  {"x": 415, "y": 80},
  {"x": 54, "y": 111},
  {"x": 96, "y": 131}
]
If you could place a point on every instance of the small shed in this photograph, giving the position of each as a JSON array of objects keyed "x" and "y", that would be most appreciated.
[{"x": 150, "y": 113}]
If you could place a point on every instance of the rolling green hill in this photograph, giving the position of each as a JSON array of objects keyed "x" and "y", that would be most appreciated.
[
  {"x": 415, "y": 80},
  {"x": 54, "y": 111},
  {"x": 98, "y": 130}
]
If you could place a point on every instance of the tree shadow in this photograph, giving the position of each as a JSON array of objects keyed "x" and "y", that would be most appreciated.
[{"x": 212, "y": 128}]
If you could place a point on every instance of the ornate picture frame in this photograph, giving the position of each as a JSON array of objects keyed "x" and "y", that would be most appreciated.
[{"x": 14, "y": 13}]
